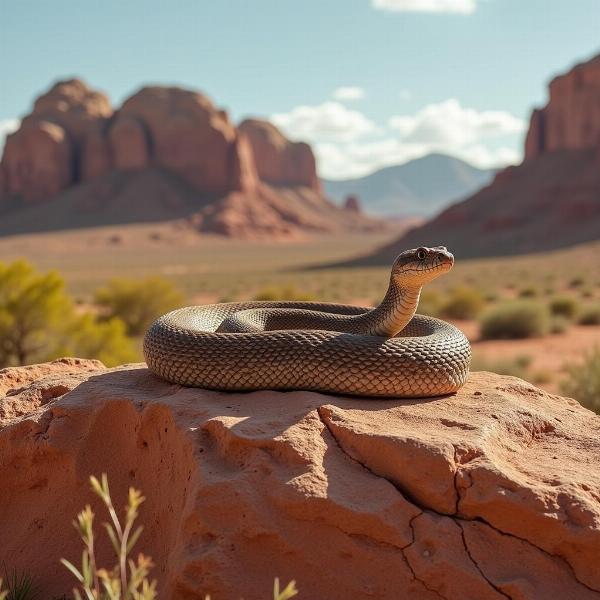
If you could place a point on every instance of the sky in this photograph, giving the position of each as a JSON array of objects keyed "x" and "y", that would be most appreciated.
[{"x": 368, "y": 83}]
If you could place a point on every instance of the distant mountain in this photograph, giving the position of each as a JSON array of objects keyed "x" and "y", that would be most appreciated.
[{"x": 421, "y": 187}]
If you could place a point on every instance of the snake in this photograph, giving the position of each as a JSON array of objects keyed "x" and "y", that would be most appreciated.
[{"x": 387, "y": 351}]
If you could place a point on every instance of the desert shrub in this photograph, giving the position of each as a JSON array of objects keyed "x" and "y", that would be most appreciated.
[
  {"x": 463, "y": 303},
  {"x": 587, "y": 293},
  {"x": 559, "y": 324},
  {"x": 429, "y": 303},
  {"x": 137, "y": 302},
  {"x": 283, "y": 292},
  {"x": 583, "y": 381},
  {"x": 564, "y": 306},
  {"x": 515, "y": 319},
  {"x": 590, "y": 316},
  {"x": 38, "y": 321},
  {"x": 517, "y": 367},
  {"x": 528, "y": 292},
  {"x": 576, "y": 281}
]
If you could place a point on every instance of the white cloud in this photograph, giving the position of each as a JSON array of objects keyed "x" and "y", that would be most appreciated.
[
  {"x": 330, "y": 121},
  {"x": 449, "y": 124},
  {"x": 465, "y": 7},
  {"x": 7, "y": 126},
  {"x": 349, "y": 93},
  {"x": 348, "y": 144}
]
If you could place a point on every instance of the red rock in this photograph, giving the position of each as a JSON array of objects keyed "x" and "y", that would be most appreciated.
[
  {"x": 278, "y": 160},
  {"x": 37, "y": 161},
  {"x": 491, "y": 493},
  {"x": 571, "y": 119},
  {"x": 96, "y": 159},
  {"x": 352, "y": 203},
  {"x": 129, "y": 143},
  {"x": 189, "y": 136}
]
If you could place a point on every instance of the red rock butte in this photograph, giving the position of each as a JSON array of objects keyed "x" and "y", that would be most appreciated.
[
  {"x": 247, "y": 180},
  {"x": 551, "y": 200}
]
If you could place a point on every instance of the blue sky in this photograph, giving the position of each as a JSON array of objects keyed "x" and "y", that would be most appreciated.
[{"x": 367, "y": 82}]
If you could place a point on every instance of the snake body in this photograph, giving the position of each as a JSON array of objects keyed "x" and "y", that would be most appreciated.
[{"x": 388, "y": 351}]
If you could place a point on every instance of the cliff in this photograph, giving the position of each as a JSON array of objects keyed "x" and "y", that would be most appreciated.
[{"x": 491, "y": 493}]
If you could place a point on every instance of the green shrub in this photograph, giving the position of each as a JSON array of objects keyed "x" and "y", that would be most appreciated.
[
  {"x": 528, "y": 292},
  {"x": 590, "y": 316},
  {"x": 429, "y": 303},
  {"x": 564, "y": 306},
  {"x": 38, "y": 322},
  {"x": 137, "y": 303},
  {"x": 576, "y": 281},
  {"x": 558, "y": 324},
  {"x": 283, "y": 292},
  {"x": 463, "y": 303},
  {"x": 515, "y": 319},
  {"x": 19, "y": 586},
  {"x": 583, "y": 381}
]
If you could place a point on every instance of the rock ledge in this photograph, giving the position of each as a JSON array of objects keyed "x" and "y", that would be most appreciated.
[{"x": 491, "y": 493}]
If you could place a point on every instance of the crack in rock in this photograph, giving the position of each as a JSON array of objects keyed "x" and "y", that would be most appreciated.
[{"x": 457, "y": 517}]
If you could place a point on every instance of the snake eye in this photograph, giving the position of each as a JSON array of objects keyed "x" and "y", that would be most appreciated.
[{"x": 421, "y": 254}]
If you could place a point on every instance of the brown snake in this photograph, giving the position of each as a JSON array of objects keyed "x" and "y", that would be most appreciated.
[{"x": 387, "y": 351}]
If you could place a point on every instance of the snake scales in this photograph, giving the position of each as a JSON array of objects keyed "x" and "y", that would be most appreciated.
[{"x": 387, "y": 351}]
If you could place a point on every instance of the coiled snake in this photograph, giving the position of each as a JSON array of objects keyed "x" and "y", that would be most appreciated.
[{"x": 387, "y": 351}]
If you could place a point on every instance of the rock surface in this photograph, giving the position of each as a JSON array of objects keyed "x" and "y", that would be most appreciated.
[
  {"x": 492, "y": 493},
  {"x": 551, "y": 200}
]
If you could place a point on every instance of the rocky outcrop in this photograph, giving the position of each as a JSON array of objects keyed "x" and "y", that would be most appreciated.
[
  {"x": 83, "y": 164},
  {"x": 279, "y": 161},
  {"x": 488, "y": 494},
  {"x": 571, "y": 119},
  {"x": 551, "y": 200},
  {"x": 352, "y": 203}
]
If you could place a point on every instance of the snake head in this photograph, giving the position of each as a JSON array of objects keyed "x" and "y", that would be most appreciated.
[{"x": 421, "y": 265}]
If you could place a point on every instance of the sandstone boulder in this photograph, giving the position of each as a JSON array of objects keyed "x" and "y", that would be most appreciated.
[
  {"x": 278, "y": 160},
  {"x": 492, "y": 493}
]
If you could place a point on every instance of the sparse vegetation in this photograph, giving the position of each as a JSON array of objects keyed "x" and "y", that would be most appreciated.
[
  {"x": 285, "y": 292},
  {"x": 564, "y": 306},
  {"x": 515, "y": 319},
  {"x": 559, "y": 324},
  {"x": 137, "y": 302},
  {"x": 38, "y": 321},
  {"x": 19, "y": 586},
  {"x": 583, "y": 381},
  {"x": 462, "y": 303},
  {"x": 590, "y": 316}
]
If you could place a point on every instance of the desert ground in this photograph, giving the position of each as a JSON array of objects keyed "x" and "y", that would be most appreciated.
[{"x": 211, "y": 269}]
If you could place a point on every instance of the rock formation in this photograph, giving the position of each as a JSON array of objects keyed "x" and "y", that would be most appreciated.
[
  {"x": 72, "y": 148},
  {"x": 279, "y": 161},
  {"x": 571, "y": 119},
  {"x": 492, "y": 493},
  {"x": 352, "y": 203},
  {"x": 551, "y": 200}
]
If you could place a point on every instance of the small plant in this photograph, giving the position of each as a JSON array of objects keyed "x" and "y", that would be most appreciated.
[
  {"x": 590, "y": 316},
  {"x": 118, "y": 583},
  {"x": 288, "y": 592},
  {"x": 463, "y": 303},
  {"x": 576, "y": 281},
  {"x": 583, "y": 381},
  {"x": 19, "y": 586},
  {"x": 563, "y": 306},
  {"x": 514, "y": 320},
  {"x": 528, "y": 292}
]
